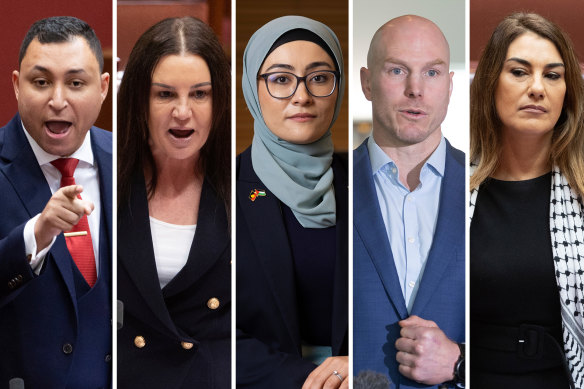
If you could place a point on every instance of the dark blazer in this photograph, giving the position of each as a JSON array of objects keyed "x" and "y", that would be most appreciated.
[
  {"x": 378, "y": 302},
  {"x": 55, "y": 332},
  {"x": 268, "y": 334},
  {"x": 187, "y": 339}
]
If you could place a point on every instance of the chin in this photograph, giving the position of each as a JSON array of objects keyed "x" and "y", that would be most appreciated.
[{"x": 59, "y": 150}]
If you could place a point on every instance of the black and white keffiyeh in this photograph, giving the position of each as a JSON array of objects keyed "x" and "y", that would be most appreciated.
[{"x": 567, "y": 234}]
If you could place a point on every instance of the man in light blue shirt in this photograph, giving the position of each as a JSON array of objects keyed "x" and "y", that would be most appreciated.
[{"x": 409, "y": 214}]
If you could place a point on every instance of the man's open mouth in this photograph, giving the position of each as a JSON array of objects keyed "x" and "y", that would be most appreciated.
[{"x": 58, "y": 126}]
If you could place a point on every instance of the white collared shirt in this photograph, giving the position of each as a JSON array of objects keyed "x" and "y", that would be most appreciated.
[
  {"x": 86, "y": 174},
  {"x": 410, "y": 217}
]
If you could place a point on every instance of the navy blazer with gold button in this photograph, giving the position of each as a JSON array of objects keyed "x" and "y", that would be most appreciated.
[
  {"x": 178, "y": 336},
  {"x": 55, "y": 332},
  {"x": 268, "y": 329}
]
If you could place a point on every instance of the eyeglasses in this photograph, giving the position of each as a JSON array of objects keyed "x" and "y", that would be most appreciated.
[{"x": 282, "y": 85}]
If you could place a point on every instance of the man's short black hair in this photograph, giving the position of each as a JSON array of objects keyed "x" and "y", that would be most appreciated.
[{"x": 59, "y": 29}]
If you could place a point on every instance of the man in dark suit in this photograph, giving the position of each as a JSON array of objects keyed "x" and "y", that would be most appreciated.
[
  {"x": 55, "y": 207},
  {"x": 409, "y": 214}
]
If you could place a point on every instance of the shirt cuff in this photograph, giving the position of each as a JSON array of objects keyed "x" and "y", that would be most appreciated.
[{"x": 35, "y": 259}]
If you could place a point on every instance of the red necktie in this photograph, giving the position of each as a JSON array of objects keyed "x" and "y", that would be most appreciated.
[{"x": 79, "y": 238}]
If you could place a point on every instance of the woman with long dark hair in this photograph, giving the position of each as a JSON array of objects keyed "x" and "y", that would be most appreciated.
[
  {"x": 527, "y": 152},
  {"x": 173, "y": 206}
]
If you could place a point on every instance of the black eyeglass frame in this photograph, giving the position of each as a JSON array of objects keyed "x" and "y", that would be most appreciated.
[{"x": 301, "y": 79}]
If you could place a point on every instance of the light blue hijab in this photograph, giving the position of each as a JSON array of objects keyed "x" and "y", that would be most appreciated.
[{"x": 299, "y": 175}]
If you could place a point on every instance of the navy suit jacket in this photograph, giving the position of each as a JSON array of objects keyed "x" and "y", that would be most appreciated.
[
  {"x": 268, "y": 330},
  {"x": 55, "y": 332},
  {"x": 178, "y": 312},
  {"x": 378, "y": 302}
]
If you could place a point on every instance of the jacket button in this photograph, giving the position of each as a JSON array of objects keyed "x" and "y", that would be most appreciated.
[
  {"x": 213, "y": 303},
  {"x": 186, "y": 345},
  {"x": 67, "y": 348},
  {"x": 108, "y": 358},
  {"x": 139, "y": 341},
  {"x": 19, "y": 277},
  {"x": 11, "y": 284}
]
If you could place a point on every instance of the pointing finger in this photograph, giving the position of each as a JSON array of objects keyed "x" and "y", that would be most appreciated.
[{"x": 72, "y": 191}]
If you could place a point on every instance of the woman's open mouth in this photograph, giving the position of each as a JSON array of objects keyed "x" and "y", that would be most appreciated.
[{"x": 180, "y": 133}]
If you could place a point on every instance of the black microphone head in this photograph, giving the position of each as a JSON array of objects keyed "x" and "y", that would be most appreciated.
[
  {"x": 16, "y": 383},
  {"x": 120, "y": 314},
  {"x": 367, "y": 379}
]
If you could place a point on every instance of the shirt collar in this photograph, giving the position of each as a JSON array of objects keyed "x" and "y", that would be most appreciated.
[
  {"x": 83, "y": 153},
  {"x": 378, "y": 158},
  {"x": 438, "y": 158}
]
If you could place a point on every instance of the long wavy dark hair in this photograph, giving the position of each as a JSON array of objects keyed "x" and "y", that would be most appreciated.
[
  {"x": 567, "y": 149},
  {"x": 173, "y": 36}
]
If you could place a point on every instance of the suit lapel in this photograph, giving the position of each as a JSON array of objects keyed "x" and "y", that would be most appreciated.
[
  {"x": 449, "y": 230},
  {"x": 136, "y": 253},
  {"x": 29, "y": 182},
  {"x": 211, "y": 239},
  {"x": 341, "y": 284},
  {"x": 371, "y": 229},
  {"x": 264, "y": 219},
  {"x": 103, "y": 159},
  {"x": 23, "y": 170}
]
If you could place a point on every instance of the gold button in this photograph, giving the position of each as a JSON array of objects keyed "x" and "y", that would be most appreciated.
[
  {"x": 139, "y": 341},
  {"x": 186, "y": 345},
  {"x": 213, "y": 303}
]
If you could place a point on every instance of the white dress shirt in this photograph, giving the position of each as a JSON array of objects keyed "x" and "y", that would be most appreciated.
[
  {"x": 409, "y": 216},
  {"x": 86, "y": 174}
]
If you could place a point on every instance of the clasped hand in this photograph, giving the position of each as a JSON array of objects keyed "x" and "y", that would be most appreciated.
[{"x": 424, "y": 352}]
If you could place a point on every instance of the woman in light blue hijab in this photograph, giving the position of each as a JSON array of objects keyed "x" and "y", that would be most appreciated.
[{"x": 292, "y": 230}]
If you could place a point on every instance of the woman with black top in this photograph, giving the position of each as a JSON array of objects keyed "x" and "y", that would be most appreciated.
[
  {"x": 526, "y": 266},
  {"x": 292, "y": 229},
  {"x": 174, "y": 251}
]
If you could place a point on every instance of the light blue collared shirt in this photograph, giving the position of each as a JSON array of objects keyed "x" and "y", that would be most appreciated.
[{"x": 409, "y": 217}]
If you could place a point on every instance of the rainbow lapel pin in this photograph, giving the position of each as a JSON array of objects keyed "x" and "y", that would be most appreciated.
[{"x": 255, "y": 193}]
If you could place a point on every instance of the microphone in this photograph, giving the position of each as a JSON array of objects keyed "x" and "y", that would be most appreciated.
[
  {"x": 16, "y": 383},
  {"x": 367, "y": 379},
  {"x": 120, "y": 314}
]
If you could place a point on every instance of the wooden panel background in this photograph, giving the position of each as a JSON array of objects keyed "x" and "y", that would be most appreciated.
[
  {"x": 485, "y": 15},
  {"x": 20, "y": 15},
  {"x": 250, "y": 16}
]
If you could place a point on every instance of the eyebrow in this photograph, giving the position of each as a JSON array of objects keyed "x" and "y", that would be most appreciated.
[
  {"x": 310, "y": 66},
  {"x": 527, "y": 63},
  {"x": 396, "y": 61},
  {"x": 70, "y": 71},
  {"x": 200, "y": 84}
]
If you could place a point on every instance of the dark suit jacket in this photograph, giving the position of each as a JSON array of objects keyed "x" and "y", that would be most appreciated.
[
  {"x": 54, "y": 331},
  {"x": 268, "y": 335},
  {"x": 179, "y": 312},
  {"x": 378, "y": 302}
]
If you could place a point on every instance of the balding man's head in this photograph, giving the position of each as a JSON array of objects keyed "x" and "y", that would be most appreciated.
[
  {"x": 415, "y": 30},
  {"x": 408, "y": 81}
]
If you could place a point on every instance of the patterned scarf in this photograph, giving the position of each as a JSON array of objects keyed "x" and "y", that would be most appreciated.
[{"x": 567, "y": 233}]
